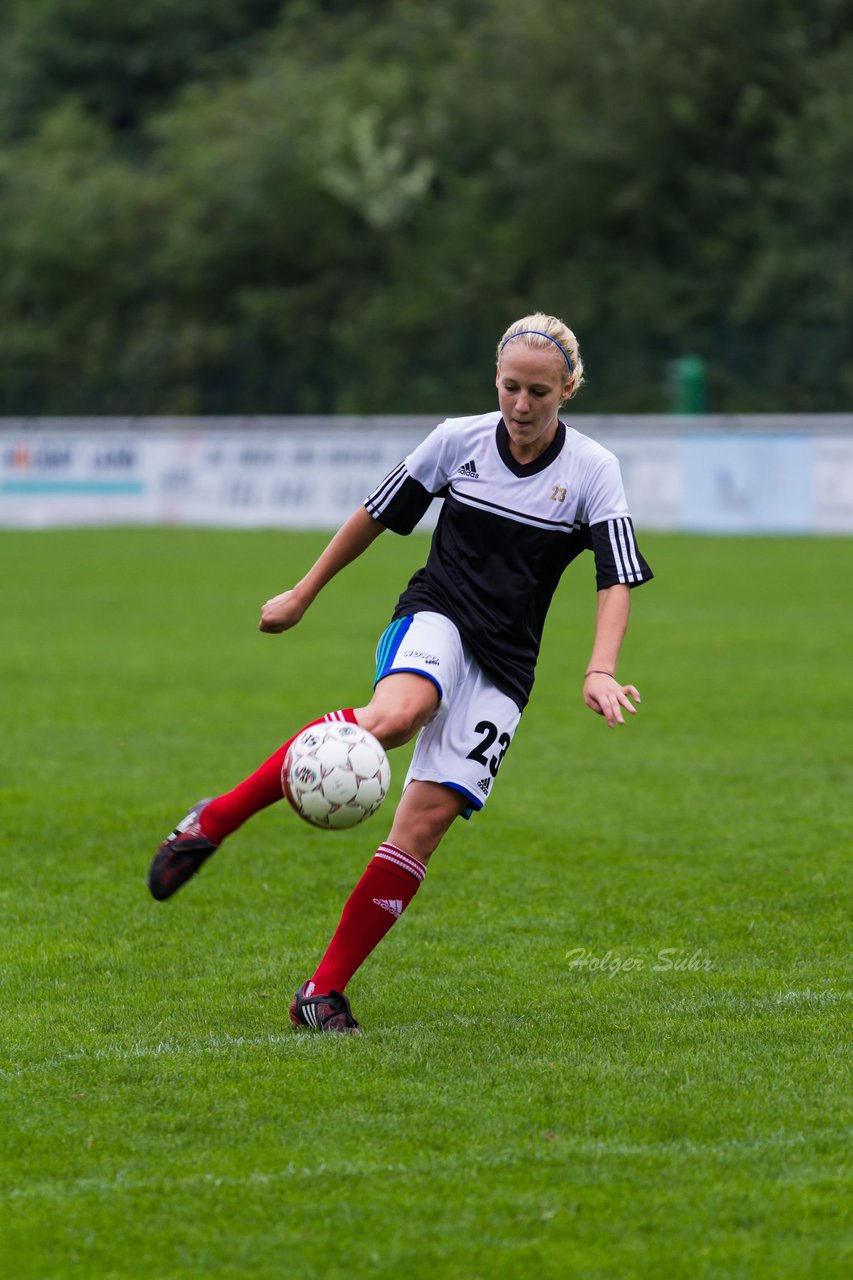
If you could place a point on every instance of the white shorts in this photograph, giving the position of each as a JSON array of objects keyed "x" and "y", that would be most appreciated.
[{"x": 463, "y": 745}]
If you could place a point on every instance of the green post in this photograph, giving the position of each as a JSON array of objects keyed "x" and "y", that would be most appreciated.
[{"x": 688, "y": 391}]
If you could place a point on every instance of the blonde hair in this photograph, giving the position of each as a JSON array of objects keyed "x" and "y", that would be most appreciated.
[{"x": 540, "y": 332}]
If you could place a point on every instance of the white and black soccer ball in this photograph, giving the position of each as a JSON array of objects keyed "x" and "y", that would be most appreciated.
[{"x": 335, "y": 775}]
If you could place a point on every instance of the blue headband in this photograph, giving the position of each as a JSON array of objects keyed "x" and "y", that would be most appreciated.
[{"x": 541, "y": 335}]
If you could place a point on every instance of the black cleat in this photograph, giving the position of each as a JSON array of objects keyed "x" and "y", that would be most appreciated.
[
  {"x": 331, "y": 1012},
  {"x": 180, "y": 855}
]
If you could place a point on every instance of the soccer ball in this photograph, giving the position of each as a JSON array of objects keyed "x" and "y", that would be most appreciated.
[{"x": 335, "y": 775}]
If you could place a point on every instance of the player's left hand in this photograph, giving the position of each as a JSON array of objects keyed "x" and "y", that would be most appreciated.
[{"x": 607, "y": 697}]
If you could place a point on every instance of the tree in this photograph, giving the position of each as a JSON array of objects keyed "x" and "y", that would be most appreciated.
[
  {"x": 120, "y": 62},
  {"x": 304, "y": 207}
]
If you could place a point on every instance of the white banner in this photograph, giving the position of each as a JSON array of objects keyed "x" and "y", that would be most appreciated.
[
  {"x": 244, "y": 477},
  {"x": 710, "y": 474}
]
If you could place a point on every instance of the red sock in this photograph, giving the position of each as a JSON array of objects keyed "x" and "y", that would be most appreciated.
[
  {"x": 263, "y": 787},
  {"x": 379, "y": 899}
]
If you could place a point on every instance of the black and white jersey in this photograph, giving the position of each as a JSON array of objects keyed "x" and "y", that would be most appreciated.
[{"x": 506, "y": 532}]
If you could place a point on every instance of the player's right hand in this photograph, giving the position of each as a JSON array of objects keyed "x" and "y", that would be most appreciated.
[{"x": 282, "y": 612}]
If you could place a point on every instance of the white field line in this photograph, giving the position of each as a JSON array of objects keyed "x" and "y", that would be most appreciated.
[
  {"x": 732, "y": 1001},
  {"x": 812, "y": 997},
  {"x": 163, "y": 1048},
  {"x": 740, "y": 1002},
  {"x": 62, "y": 1190},
  {"x": 426, "y": 1165}
]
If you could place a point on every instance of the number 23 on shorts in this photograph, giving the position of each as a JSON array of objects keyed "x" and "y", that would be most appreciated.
[{"x": 490, "y": 735}]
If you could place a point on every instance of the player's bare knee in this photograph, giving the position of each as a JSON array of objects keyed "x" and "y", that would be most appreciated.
[
  {"x": 423, "y": 817},
  {"x": 395, "y": 725},
  {"x": 396, "y": 713},
  {"x": 430, "y": 826}
]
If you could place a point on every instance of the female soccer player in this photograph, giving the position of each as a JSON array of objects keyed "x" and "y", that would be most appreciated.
[{"x": 524, "y": 494}]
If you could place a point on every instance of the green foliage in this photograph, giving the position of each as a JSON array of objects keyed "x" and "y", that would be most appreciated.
[
  {"x": 301, "y": 207},
  {"x": 120, "y": 61},
  {"x": 505, "y": 1116}
]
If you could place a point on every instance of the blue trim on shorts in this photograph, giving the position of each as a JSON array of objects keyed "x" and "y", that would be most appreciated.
[
  {"x": 389, "y": 642},
  {"x": 476, "y": 803},
  {"x": 416, "y": 671},
  {"x": 388, "y": 648}
]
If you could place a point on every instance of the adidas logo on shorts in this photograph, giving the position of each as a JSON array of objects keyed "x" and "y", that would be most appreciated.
[
  {"x": 484, "y": 785},
  {"x": 469, "y": 469}
]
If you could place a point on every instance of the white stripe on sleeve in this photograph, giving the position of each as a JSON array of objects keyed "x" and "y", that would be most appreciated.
[{"x": 623, "y": 544}]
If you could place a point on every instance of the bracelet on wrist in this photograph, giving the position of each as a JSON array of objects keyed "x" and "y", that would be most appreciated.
[{"x": 595, "y": 672}]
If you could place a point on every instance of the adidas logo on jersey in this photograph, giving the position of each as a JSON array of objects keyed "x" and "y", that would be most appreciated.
[
  {"x": 469, "y": 469},
  {"x": 394, "y": 906},
  {"x": 484, "y": 785}
]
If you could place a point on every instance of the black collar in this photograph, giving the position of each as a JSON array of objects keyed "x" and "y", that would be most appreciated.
[{"x": 538, "y": 464}]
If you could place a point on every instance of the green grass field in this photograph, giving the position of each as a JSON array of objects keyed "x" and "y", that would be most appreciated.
[{"x": 507, "y": 1113}]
